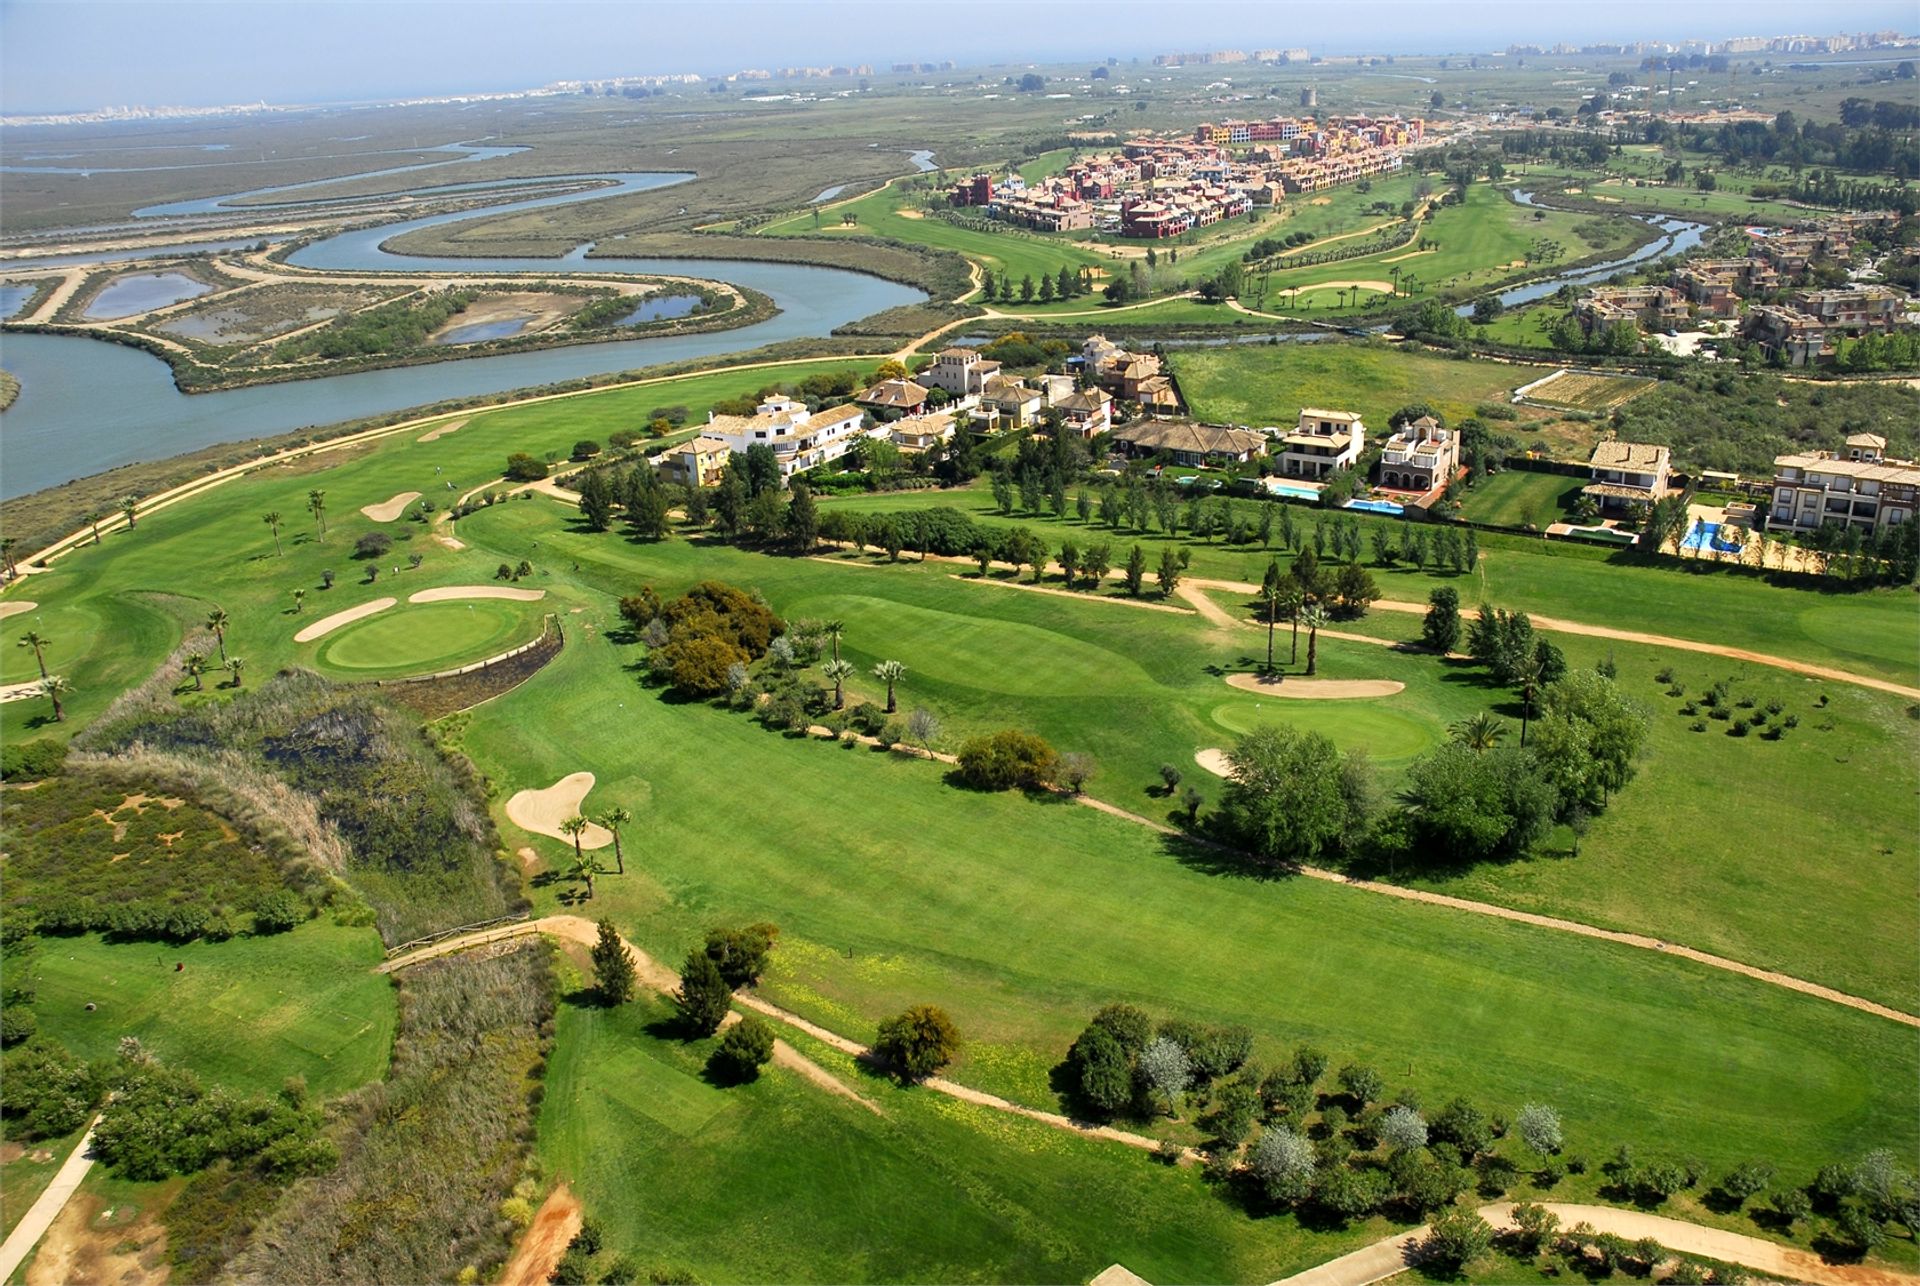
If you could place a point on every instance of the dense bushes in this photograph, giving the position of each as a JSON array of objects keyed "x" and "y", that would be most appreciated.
[
  {"x": 160, "y": 1121},
  {"x": 707, "y": 631},
  {"x": 361, "y": 787},
  {"x": 32, "y": 760},
  {"x": 1007, "y": 759},
  {"x": 49, "y": 1091},
  {"x": 383, "y": 331},
  {"x": 428, "y": 1156},
  {"x": 918, "y": 1042},
  {"x": 124, "y": 859}
]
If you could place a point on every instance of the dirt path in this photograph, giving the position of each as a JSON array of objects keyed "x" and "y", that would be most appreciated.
[
  {"x": 545, "y": 1240},
  {"x": 40, "y": 1215},
  {"x": 1556, "y": 625},
  {"x": 1393, "y": 1255}
]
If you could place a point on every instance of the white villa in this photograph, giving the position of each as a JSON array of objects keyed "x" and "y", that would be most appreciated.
[
  {"x": 800, "y": 439},
  {"x": 1420, "y": 456},
  {"x": 1321, "y": 442},
  {"x": 1627, "y": 475},
  {"x": 1860, "y": 488},
  {"x": 959, "y": 371}
]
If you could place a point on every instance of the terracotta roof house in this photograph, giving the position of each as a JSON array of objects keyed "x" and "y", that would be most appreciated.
[
  {"x": 1191, "y": 445},
  {"x": 1627, "y": 476},
  {"x": 698, "y": 463},
  {"x": 801, "y": 439},
  {"x": 1087, "y": 413},
  {"x": 1321, "y": 442},
  {"x": 902, "y": 397}
]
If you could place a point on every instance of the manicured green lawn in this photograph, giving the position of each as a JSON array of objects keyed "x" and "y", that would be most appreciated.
[
  {"x": 1391, "y": 730},
  {"x": 933, "y": 1190},
  {"x": 415, "y": 638},
  {"x": 1517, "y": 498},
  {"x": 246, "y": 1013}
]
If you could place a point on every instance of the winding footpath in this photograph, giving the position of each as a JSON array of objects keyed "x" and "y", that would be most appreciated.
[{"x": 1393, "y": 1255}]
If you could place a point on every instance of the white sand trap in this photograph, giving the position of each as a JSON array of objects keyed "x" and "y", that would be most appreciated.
[
  {"x": 20, "y": 691},
  {"x": 16, "y": 608},
  {"x": 1214, "y": 760},
  {"x": 1316, "y": 689},
  {"x": 542, "y": 811},
  {"x": 328, "y": 624},
  {"x": 449, "y": 593},
  {"x": 391, "y": 509},
  {"x": 433, "y": 435},
  {"x": 1382, "y": 286}
]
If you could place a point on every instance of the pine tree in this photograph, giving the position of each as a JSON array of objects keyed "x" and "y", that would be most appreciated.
[{"x": 612, "y": 967}]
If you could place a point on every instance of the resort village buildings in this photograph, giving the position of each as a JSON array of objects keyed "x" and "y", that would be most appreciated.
[{"x": 1855, "y": 487}]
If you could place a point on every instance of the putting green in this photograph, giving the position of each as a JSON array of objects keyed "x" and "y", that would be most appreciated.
[
  {"x": 1389, "y": 734},
  {"x": 418, "y": 638}
]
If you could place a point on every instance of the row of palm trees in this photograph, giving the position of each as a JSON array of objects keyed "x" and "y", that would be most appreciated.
[
  {"x": 888, "y": 672},
  {"x": 1284, "y": 597},
  {"x": 584, "y": 868},
  {"x": 52, "y": 686}
]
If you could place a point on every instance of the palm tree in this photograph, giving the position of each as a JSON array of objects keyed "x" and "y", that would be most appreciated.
[
  {"x": 1529, "y": 677},
  {"x": 1314, "y": 616},
  {"x": 6, "y": 555},
  {"x": 582, "y": 869},
  {"x": 217, "y": 622},
  {"x": 890, "y": 673},
  {"x": 51, "y": 687},
  {"x": 1270, "y": 594},
  {"x": 272, "y": 519},
  {"x": 38, "y": 642},
  {"x": 833, "y": 630},
  {"x": 613, "y": 819},
  {"x": 299, "y": 601},
  {"x": 93, "y": 520},
  {"x": 1292, "y": 599},
  {"x": 838, "y": 672},
  {"x": 235, "y": 664},
  {"x": 1481, "y": 732},
  {"x": 317, "y": 506},
  {"x": 195, "y": 665}
]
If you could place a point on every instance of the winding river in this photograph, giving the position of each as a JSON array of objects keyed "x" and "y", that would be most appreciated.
[{"x": 86, "y": 405}]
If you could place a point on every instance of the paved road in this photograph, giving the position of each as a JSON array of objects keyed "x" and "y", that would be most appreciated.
[{"x": 40, "y": 1216}]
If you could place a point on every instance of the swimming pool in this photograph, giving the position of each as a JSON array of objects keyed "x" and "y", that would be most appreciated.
[
  {"x": 1707, "y": 535},
  {"x": 1292, "y": 490},
  {"x": 1375, "y": 506}
]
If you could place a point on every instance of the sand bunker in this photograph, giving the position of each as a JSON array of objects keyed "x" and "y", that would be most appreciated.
[
  {"x": 1214, "y": 760},
  {"x": 432, "y": 435},
  {"x": 542, "y": 811},
  {"x": 16, "y": 608},
  {"x": 1384, "y": 287},
  {"x": 449, "y": 593},
  {"x": 391, "y": 509},
  {"x": 328, "y": 624},
  {"x": 1321, "y": 200},
  {"x": 1315, "y": 689},
  {"x": 910, "y": 214}
]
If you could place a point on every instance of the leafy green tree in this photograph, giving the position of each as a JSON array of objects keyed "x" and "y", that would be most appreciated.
[
  {"x": 704, "y": 998},
  {"x": 803, "y": 520},
  {"x": 1457, "y": 1236},
  {"x": 613, "y": 971},
  {"x": 1007, "y": 759},
  {"x": 1169, "y": 573},
  {"x": 743, "y": 1051},
  {"x": 596, "y": 499},
  {"x": 1472, "y": 806},
  {"x": 1137, "y": 570},
  {"x": 741, "y": 954},
  {"x": 1361, "y": 1083},
  {"x": 1284, "y": 798},
  {"x": 1103, "y": 1071},
  {"x": 1539, "y": 1128},
  {"x": 918, "y": 1042}
]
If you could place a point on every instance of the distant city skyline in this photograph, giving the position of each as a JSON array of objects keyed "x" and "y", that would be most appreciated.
[{"x": 84, "y": 55}]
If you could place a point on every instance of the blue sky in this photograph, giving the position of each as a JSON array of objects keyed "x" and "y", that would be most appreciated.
[{"x": 80, "y": 54}]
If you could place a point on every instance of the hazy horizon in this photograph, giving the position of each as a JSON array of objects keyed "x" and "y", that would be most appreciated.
[{"x": 83, "y": 55}]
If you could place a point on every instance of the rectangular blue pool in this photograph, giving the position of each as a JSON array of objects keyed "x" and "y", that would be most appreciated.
[
  {"x": 1375, "y": 506},
  {"x": 1706, "y": 535},
  {"x": 1292, "y": 490}
]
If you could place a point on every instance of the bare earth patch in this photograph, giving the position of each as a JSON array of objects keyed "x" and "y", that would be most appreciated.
[
  {"x": 1315, "y": 689},
  {"x": 16, "y": 608},
  {"x": 387, "y": 511},
  {"x": 542, "y": 811},
  {"x": 435, "y": 434},
  {"x": 450, "y": 593},
  {"x": 328, "y": 624},
  {"x": 92, "y": 1244},
  {"x": 545, "y": 1241}
]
